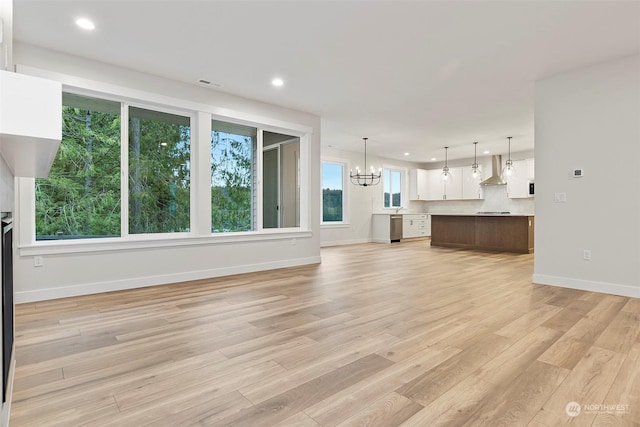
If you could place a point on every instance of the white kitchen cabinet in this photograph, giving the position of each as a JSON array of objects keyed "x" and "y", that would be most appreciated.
[
  {"x": 418, "y": 187},
  {"x": 380, "y": 228},
  {"x": 471, "y": 188},
  {"x": 518, "y": 182},
  {"x": 437, "y": 190},
  {"x": 30, "y": 123},
  {"x": 415, "y": 225},
  {"x": 453, "y": 190}
]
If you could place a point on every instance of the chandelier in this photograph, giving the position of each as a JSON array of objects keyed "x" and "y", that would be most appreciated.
[{"x": 361, "y": 177}]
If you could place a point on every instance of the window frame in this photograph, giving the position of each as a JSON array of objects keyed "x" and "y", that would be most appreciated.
[
  {"x": 89, "y": 95},
  {"x": 201, "y": 115},
  {"x": 402, "y": 171},
  {"x": 124, "y": 166},
  {"x": 254, "y": 172},
  {"x": 345, "y": 192}
]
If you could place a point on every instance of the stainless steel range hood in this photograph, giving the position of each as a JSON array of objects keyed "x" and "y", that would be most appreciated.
[{"x": 496, "y": 172}]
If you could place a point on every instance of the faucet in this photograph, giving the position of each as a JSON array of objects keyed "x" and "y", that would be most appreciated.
[{"x": 398, "y": 209}]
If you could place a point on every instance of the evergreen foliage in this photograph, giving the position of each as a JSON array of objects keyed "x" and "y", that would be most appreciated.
[
  {"x": 331, "y": 205},
  {"x": 81, "y": 196},
  {"x": 231, "y": 176}
]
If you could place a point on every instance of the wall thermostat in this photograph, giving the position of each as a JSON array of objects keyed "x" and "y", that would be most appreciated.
[{"x": 577, "y": 173}]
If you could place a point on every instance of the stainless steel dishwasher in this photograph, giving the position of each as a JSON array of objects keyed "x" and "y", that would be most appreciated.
[{"x": 395, "y": 228}]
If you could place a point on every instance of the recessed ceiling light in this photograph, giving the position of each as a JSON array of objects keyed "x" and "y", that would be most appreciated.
[
  {"x": 277, "y": 82},
  {"x": 406, "y": 154},
  {"x": 433, "y": 159},
  {"x": 86, "y": 24},
  {"x": 486, "y": 152}
]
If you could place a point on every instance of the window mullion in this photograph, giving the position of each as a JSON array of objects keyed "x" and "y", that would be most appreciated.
[
  {"x": 201, "y": 171},
  {"x": 124, "y": 170},
  {"x": 259, "y": 180}
]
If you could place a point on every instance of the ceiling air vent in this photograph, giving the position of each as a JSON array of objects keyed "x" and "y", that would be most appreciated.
[{"x": 209, "y": 83}]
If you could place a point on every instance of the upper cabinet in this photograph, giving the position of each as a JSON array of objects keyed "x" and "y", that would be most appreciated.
[
  {"x": 453, "y": 189},
  {"x": 461, "y": 187},
  {"x": 518, "y": 182},
  {"x": 418, "y": 184},
  {"x": 30, "y": 123},
  {"x": 471, "y": 188},
  {"x": 435, "y": 187}
]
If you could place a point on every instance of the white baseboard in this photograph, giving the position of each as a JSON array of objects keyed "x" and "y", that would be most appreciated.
[
  {"x": 141, "y": 282},
  {"x": 381, "y": 240},
  {"x": 588, "y": 285}
]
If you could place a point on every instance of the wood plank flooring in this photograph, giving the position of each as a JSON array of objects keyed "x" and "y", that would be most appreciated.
[{"x": 377, "y": 335}]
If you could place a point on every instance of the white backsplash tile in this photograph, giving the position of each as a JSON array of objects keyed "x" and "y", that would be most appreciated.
[{"x": 495, "y": 200}]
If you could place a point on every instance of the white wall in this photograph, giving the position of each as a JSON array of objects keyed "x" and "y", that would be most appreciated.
[
  {"x": 6, "y": 47},
  {"x": 7, "y": 194},
  {"x": 589, "y": 118},
  {"x": 362, "y": 201},
  {"x": 88, "y": 269}
]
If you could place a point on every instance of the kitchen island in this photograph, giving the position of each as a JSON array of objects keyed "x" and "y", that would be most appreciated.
[{"x": 485, "y": 231}]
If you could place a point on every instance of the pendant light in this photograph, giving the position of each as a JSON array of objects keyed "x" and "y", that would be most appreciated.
[
  {"x": 445, "y": 176},
  {"x": 476, "y": 173},
  {"x": 508, "y": 165},
  {"x": 364, "y": 179}
]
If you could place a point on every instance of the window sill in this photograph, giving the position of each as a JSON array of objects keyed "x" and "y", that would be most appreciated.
[
  {"x": 335, "y": 225},
  {"x": 153, "y": 241}
]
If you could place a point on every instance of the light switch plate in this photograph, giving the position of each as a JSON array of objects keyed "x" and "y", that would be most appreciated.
[{"x": 560, "y": 197}]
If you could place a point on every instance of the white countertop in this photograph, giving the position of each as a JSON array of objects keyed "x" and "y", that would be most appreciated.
[
  {"x": 453, "y": 214},
  {"x": 479, "y": 214},
  {"x": 401, "y": 213}
]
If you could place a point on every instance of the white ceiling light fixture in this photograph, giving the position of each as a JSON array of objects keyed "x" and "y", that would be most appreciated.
[
  {"x": 85, "y": 24},
  {"x": 445, "y": 176},
  {"x": 406, "y": 154},
  {"x": 277, "y": 82},
  {"x": 508, "y": 165},
  {"x": 364, "y": 179},
  {"x": 476, "y": 173}
]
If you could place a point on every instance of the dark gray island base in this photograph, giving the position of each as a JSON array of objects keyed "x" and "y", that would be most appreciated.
[{"x": 504, "y": 233}]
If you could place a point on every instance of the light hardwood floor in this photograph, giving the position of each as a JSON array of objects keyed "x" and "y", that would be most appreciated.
[{"x": 378, "y": 335}]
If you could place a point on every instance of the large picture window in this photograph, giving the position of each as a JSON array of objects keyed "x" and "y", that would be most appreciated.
[
  {"x": 233, "y": 149},
  {"x": 126, "y": 170},
  {"x": 81, "y": 196},
  {"x": 159, "y": 181},
  {"x": 332, "y": 192}
]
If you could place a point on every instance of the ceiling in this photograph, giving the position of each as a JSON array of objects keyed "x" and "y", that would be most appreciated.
[{"x": 412, "y": 76}]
